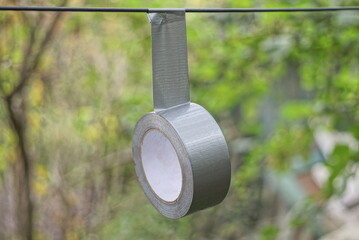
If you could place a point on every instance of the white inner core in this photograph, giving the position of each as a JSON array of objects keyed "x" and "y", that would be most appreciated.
[{"x": 161, "y": 165}]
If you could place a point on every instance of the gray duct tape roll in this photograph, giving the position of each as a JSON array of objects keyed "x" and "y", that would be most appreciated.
[
  {"x": 197, "y": 175},
  {"x": 180, "y": 153}
]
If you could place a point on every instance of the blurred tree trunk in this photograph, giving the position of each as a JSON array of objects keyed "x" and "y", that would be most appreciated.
[
  {"x": 16, "y": 102},
  {"x": 22, "y": 170}
]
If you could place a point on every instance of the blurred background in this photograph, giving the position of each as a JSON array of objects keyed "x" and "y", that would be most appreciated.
[{"x": 284, "y": 87}]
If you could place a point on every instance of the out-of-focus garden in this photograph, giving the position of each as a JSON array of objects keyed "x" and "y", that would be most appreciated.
[{"x": 284, "y": 87}]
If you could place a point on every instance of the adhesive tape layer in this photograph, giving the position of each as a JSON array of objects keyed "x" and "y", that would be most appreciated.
[
  {"x": 181, "y": 160},
  {"x": 169, "y": 59}
]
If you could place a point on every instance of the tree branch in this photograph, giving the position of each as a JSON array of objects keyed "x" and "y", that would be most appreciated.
[{"x": 26, "y": 70}]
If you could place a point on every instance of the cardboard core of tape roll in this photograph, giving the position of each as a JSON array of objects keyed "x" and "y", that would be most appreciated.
[{"x": 161, "y": 165}]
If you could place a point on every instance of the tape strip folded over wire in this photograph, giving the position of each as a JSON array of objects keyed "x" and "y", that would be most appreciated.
[
  {"x": 169, "y": 59},
  {"x": 180, "y": 154}
]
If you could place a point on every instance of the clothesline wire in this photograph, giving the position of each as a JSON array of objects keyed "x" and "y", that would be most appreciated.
[{"x": 188, "y": 10}]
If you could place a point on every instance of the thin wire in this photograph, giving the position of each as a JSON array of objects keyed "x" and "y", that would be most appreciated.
[
  {"x": 189, "y": 10},
  {"x": 71, "y": 9},
  {"x": 252, "y": 10}
]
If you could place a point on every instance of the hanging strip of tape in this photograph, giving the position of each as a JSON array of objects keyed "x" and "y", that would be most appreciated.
[
  {"x": 169, "y": 58},
  {"x": 180, "y": 153}
]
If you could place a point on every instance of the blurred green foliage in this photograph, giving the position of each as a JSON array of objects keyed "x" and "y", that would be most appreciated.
[{"x": 270, "y": 79}]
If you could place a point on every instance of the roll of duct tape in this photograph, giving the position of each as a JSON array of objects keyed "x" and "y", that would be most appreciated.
[
  {"x": 181, "y": 159},
  {"x": 181, "y": 156}
]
